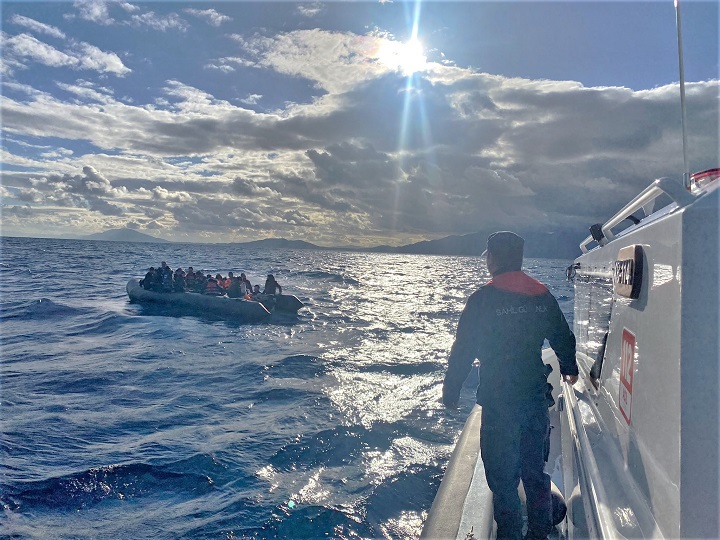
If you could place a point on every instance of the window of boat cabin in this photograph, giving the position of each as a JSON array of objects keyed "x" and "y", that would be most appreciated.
[{"x": 593, "y": 301}]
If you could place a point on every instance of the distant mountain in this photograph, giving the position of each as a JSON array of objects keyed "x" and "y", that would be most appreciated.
[
  {"x": 124, "y": 235},
  {"x": 537, "y": 245},
  {"x": 272, "y": 243}
]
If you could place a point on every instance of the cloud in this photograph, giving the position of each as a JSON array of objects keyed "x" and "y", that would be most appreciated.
[
  {"x": 219, "y": 67},
  {"x": 97, "y": 60},
  {"x": 104, "y": 207},
  {"x": 18, "y": 212},
  {"x": 210, "y": 15},
  {"x": 37, "y": 26},
  {"x": 297, "y": 218},
  {"x": 159, "y": 22},
  {"x": 130, "y": 8},
  {"x": 310, "y": 10},
  {"x": 89, "y": 190},
  {"x": 163, "y": 194},
  {"x": 98, "y": 11},
  {"x": 335, "y": 61},
  {"x": 370, "y": 152},
  {"x": 252, "y": 99},
  {"x": 81, "y": 56},
  {"x": 25, "y": 46},
  {"x": 94, "y": 10},
  {"x": 86, "y": 90},
  {"x": 248, "y": 188}
]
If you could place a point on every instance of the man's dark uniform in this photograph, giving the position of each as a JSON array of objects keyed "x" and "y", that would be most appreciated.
[{"x": 504, "y": 325}]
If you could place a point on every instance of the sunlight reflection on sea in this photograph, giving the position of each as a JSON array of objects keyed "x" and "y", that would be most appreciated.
[{"x": 126, "y": 421}]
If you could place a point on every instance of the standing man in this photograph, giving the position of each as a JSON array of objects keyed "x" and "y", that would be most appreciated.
[{"x": 504, "y": 324}]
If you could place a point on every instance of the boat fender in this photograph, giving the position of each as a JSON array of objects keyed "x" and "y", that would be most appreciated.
[
  {"x": 577, "y": 509},
  {"x": 559, "y": 509},
  {"x": 571, "y": 271}
]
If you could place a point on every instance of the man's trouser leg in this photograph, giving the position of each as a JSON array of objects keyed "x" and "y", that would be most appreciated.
[
  {"x": 500, "y": 452},
  {"x": 534, "y": 441}
]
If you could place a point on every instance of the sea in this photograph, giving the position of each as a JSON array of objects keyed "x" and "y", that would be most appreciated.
[{"x": 125, "y": 421}]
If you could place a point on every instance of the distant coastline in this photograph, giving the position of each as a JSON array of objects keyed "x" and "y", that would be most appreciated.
[{"x": 537, "y": 245}]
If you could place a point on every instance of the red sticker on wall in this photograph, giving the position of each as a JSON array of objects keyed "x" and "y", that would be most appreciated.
[{"x": 627, "y": 367}]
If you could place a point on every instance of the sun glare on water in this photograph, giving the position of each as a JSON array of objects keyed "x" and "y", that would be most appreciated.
[{"x": 408, "y": 57}]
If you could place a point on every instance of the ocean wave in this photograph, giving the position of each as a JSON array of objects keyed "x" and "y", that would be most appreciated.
[
  {"x": 331, "y": 447},
  {"x": 37, "y": 309},
  {"x": 403, "y": 368},
  {"x": 328, "y": 276},
  {"x": 194, "y": 409},
  {"x": 280, "y": 394},
  {"x": 305, "y": 521},
  {"x": 297, "y": 366},
  {"x": 389, "y": 500},
  {"x": 71, "y": 383},
  {"x": 106, "y": 323},
  {"x": 94, "y": 486}
]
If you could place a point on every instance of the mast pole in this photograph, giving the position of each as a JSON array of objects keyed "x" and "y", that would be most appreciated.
[{"x": 683, "y": 122}]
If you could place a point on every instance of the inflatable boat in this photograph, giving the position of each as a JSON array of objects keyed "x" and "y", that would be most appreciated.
[{"x": 237, "y": 308}]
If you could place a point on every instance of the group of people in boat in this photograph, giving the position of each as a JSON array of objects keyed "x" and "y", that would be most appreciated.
[{"x": 162, "y": 279}]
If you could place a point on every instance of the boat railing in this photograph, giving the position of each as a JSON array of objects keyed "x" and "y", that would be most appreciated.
[
  {"x": 601, "y": 524},
  {"x": 645, "y": 200}
]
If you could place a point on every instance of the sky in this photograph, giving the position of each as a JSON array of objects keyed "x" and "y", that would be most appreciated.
[{"x": 345, "y": 123}]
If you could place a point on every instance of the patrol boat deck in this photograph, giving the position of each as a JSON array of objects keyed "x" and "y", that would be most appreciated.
[{"x": 635, "y": 445}]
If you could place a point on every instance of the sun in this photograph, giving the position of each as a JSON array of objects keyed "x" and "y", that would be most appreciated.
[{"x": 408, "y": 57}]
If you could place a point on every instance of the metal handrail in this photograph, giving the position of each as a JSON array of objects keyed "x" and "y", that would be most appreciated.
[
  {"x": 584, "y": 243},
  {"x": 667, "y": 186},
  {"x": 589, "y": 471}
]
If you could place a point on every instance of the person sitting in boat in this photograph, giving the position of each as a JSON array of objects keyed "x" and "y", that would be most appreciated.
[
  {"x": 235, "y": 290},
  {"x": 228, "y": 280},
  {"x": 166, "y": 279},
  {"x": 244, "y": 278},
  {"x": 256, "y": 292},
  {"x": 149, "y": 282},
  {"x": 179, "y": 283},
  {"x": 272, "y": 287},
  {"x": 212, "y": 287},
  {"x": 190, "y": 280},
  {"x": 200, "y": 281}
]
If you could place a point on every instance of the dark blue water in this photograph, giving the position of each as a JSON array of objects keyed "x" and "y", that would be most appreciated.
[{"x": 123, "y": 421}]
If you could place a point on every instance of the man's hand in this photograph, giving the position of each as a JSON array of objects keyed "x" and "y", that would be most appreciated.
[{"x": 570, "y": 379}]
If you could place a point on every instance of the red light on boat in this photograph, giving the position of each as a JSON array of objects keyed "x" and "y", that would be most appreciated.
[{"x": 703, "y": 178}]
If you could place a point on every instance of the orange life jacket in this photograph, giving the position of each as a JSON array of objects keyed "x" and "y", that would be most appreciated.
[{"x": 212, "y": 288}]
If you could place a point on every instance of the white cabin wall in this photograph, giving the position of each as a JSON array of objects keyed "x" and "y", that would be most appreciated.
[{"x": 649, "y": 446}]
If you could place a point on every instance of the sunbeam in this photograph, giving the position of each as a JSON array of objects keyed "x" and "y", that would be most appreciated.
[{"x": 415, "y": 127}]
